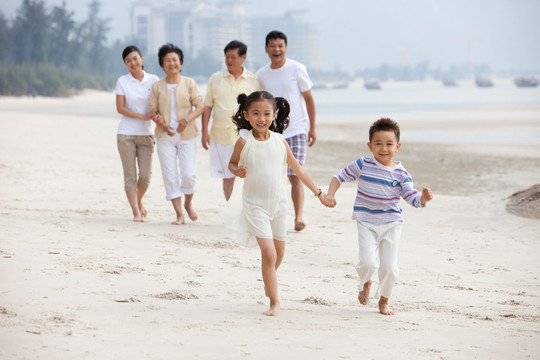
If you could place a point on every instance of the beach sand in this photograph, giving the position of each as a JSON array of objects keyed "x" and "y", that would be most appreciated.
[{"x": 80, "y": 280}]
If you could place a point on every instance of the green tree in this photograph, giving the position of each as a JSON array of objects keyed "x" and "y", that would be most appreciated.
[
  {"x": 62, "y": 36},
  {"x": 94, "y": 36},
  {"x": 4, "y": 38},
  {"x": 203, "y": 64},
  {"x": 30, "y": 33}
]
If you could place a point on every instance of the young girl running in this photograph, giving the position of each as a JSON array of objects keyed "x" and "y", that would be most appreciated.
[{"x": 261, "y": 156}]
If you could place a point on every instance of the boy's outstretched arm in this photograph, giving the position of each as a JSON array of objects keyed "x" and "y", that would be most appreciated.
[
  {"x": 332, "y": 188},
  {"x": 427, "y": 195}
]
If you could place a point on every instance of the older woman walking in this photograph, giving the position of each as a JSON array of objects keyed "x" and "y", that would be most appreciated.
[{"x": 177, "y": 102}]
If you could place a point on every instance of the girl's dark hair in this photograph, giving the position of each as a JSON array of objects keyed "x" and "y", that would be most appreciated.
[
  {"x": 280, "y": 105},
  {"x": 170, "y": 48}
]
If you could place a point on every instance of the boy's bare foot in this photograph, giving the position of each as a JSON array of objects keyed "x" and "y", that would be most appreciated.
[
  {"x": 179, "y": 221},
  {"x": 363, "y": 296},
  {"x": 273, "y": 311},
  {"x": 191, "y": 213},
  {"x": 299, "y": 225},
  {"x": 384, "y": 308}
]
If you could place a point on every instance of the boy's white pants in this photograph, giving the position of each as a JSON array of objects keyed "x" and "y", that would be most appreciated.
[
  {"x": 378, "y": 245},
  {"x": 177, "y": 160}
]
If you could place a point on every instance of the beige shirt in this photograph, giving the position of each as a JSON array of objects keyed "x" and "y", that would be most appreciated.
[
  {"x": 221, "y": 94},
  {"x": 187, "y": 97}
]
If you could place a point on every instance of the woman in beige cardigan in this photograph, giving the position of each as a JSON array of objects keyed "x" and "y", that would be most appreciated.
[{"x": 177, "y": 101}]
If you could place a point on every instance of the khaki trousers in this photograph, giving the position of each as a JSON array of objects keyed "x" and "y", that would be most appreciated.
[{"x": 136, "y": 151}]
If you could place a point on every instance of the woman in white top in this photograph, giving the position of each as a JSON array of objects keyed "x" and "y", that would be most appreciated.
[{"x": 135, "y": 136}]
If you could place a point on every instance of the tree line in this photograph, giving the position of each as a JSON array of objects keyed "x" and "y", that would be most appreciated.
[{"x": 45, "y": 51}]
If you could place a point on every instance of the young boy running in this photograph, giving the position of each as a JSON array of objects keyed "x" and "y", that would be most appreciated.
[{"x": 381, "y": 184}]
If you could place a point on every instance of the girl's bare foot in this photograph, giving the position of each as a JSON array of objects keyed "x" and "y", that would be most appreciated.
[
  {"x": 299, "y": 225},
  {"x": 191, "y": 213},
  {"x": 179, "y": 221},
  {"x": 273, "y": 311},
  {"x": 363, "y": 296},
  {"x": 384, "y": 308}
]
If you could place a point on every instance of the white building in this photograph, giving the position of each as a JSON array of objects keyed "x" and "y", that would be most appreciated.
[
  {"x": 204, "y": 28},
  {"x": 302, "y": 38}
]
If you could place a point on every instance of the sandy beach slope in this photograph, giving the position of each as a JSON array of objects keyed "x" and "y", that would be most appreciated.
[{"x": 79, "y": 280}]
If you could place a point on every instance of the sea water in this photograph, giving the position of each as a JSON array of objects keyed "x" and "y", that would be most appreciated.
[
  {"x": 436, "y": 104},
  {"x": 428, "y": 101}
]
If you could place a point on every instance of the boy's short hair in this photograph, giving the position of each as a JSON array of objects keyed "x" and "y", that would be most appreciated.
[
  {"x": 235, "y": 44},
  {"x": 275, "y": 34},
  {"x": 384, "y": 124}
]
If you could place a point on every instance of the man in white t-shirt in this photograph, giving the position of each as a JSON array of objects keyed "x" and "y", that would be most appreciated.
[{"x": 289, "y": 79}]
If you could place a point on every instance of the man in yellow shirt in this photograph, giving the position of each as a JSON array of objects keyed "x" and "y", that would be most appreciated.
[{"x": 224, "y": 87}]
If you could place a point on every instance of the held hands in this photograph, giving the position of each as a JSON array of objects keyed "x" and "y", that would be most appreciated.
[
  {"x": 149, "y": 115},
  {"x": 427, "y": 195},
  {"x": 329, "y": 201},
  {"x": 322, "y": 198},
  {"x": 160, "y": 121}
]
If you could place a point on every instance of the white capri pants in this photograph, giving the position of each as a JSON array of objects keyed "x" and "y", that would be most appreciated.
[
  {"x": 177, "y": 160},
  {"x": 378, "y": 245}
]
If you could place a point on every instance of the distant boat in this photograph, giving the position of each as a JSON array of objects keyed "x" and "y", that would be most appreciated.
[
  {"x": 340, "y": 85},
  {"x": 483, "y": 82},
  {"x": 372, "y": 85},
  {"x": 320, "y": 86},
  {"x": 523, "y": 81},
  {"x": 450, "y": 82}
]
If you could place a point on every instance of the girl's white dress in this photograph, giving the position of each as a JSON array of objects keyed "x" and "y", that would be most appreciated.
[{"x": 263, "y": 211}]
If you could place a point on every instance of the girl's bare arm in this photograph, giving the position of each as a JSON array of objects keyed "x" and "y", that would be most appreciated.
[{"x": 238, "y": 170}]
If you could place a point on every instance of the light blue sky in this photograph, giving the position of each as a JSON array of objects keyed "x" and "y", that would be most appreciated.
[{"x": 355, "y": 34}]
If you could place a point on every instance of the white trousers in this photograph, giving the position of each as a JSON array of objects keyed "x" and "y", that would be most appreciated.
[
  {"x": 177, "y": 160},
  {"x": 378, "y": 245}
]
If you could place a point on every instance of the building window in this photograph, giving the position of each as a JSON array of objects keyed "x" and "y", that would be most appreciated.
[{"x": 142, "y": 25}]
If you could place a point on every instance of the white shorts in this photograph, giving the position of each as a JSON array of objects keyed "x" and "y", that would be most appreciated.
[
  {"x": 263, "y": 225},
  {"x": 220, "y": 155}
]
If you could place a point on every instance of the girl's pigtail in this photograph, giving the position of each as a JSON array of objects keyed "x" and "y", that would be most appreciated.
[
  {"x": 238, "y": 118},
  {"x": 282, "y": 118},
  {"x": 241, "y": 99}
]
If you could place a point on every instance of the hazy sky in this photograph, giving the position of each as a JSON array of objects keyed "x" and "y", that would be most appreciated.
[{"x": 355, "y": 34}]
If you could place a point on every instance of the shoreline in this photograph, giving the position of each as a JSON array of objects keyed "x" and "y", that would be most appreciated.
[{"x": 469, "y": 125}]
